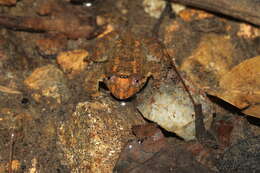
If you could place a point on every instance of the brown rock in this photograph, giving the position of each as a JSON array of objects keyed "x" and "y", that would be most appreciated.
[
  {"x": 78, "y": 23},
  {"x": 209, "y": 61},
  {"x": 7, "y": 2},
  {"x": 192, "y": 14},
  {"x": 3, "y": 167},
  {"x": 16, "y": 165},
  {"x": 50, "y": 82},
  {"x": 248, "y": 31},
  {"x": 73, "y": 62},
  {"x": 49, "y": 47},
  {"x": 94, "y": 134},
  {"x": 165, "y": 156}
]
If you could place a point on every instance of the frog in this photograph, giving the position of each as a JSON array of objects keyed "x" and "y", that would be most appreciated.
[{"x": 125, "y": 62}]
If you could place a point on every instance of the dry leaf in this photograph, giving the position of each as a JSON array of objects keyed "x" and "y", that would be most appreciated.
[{"x": 241, "y": 86}]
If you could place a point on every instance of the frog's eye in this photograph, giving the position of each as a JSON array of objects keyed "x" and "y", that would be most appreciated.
[
  {"x": 136, "y": 81},
  {"x": 140, "y": 141},
  {"x": 110, "y": 78}
]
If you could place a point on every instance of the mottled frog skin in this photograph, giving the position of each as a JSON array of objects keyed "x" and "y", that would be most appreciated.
[{"x": 124, "y": 62}]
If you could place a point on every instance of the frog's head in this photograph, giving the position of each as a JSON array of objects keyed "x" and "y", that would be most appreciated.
[{"x": 123, "y": 86}]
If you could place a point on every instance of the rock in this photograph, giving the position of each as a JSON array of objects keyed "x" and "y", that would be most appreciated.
[
  {"x": 50, "y": 47},
  {"x": 155, "y": 7},
  {"x": 171, "y": 108},
  {"x": 16, "y": 165},
  {"x": 156, "y": 154},
  {"x": 209, "y": 61},
  {"x": 94, "y": 134},
  {"x": 189, "y": 15},
  {"x": 7, "y": 2},
  {"x": 241, "y": 157},
  {"x": 248, "y": 31},
  {"x": 50, "y": 82},
  {"x": 73, "y": 62}
]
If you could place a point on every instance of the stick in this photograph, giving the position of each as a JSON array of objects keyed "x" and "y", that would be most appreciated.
[
  {"x": 202, "y": 135},
  {"x": 246, "y": 10}
]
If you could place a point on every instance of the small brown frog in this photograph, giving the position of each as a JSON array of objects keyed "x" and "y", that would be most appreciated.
[{"x": 125, "y": 62}]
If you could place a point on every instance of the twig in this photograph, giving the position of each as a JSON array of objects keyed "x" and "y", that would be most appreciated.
[
  {"x": 202, "y": 135},
  {"x": 246, "y": 10},
  {"x": 9, "y": 90},
  {"x": 178, "y": 74},
  {"x": 155, "y": 33}
]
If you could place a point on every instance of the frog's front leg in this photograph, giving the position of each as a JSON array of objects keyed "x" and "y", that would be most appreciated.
[
  {"x": 157, "y": 71},
  {"x": 157, "y": 64},
  {"x": 93, "y": 77}
]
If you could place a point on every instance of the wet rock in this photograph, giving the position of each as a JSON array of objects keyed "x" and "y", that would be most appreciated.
[
  {"x": 189, "y": 15},
  {"x": 48, "y": 7},
  {"x": 151, "y": 152},
  {"x": 35, "y": 134},
  {"x": 7, "y": 2},
  {"x": 204, "y": 155},
  {"x": 73, "y": 62},
  {"x": 212, "y": 58},
  {"x": 49, "y": 81},
  {"x": 94, "y": 134},
  {"x": 171, "y": 108},
  {"x": 230, "y": 129},
  {"x": 224, "y": 130},
  {"x": 248, "y": 31},
  {"x": 242, "y": 157},
  {"x": 154, "y": 7},
  {"x": 2, "y": 167},
  {"x": 15, "y": 165},
  {"x": 150, "y": 140},
  {"x": 79, "y": 23},
  {"x": 50, "y": 47}
]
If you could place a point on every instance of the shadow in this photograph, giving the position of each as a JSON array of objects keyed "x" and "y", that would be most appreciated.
[{"x": 227, "y": 106}]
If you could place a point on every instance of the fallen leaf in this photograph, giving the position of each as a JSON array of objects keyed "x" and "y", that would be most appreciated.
[{"x": 241, "y": 86}]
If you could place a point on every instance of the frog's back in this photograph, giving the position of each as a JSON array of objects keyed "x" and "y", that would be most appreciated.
[{"x": 126, "y": 56}]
